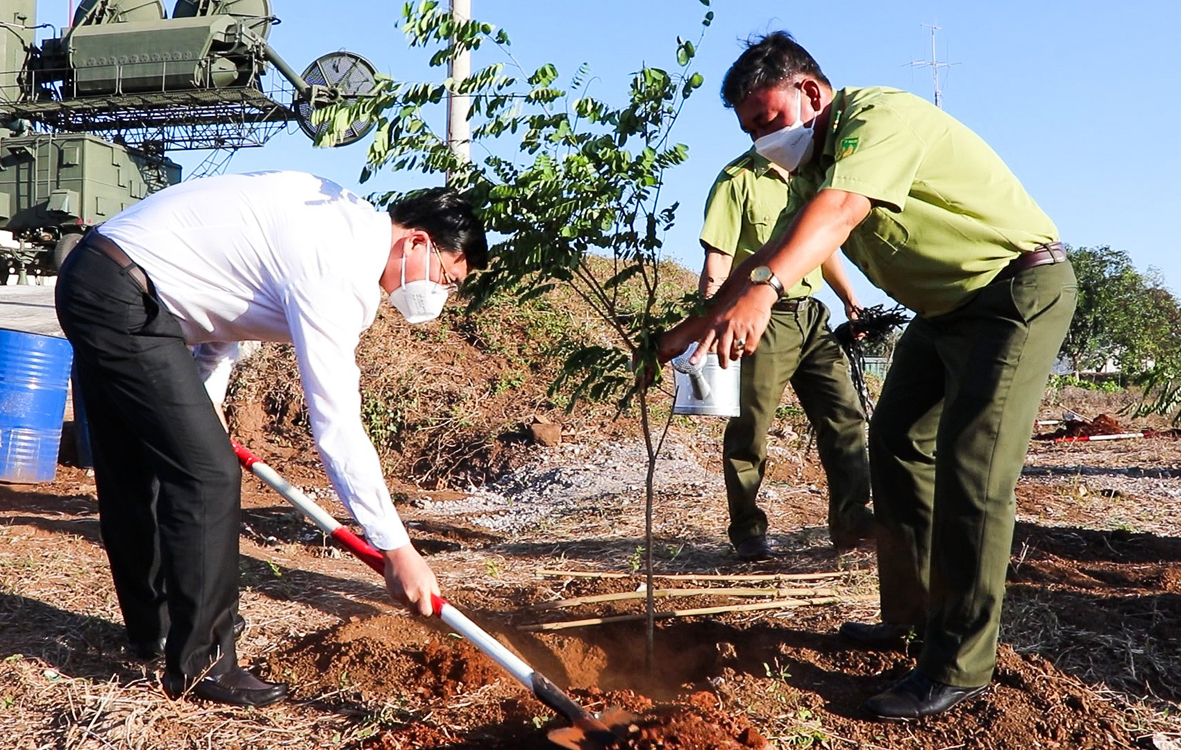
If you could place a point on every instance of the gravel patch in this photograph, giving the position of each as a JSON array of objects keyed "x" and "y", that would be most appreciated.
[{"x": 567, "y": 478}]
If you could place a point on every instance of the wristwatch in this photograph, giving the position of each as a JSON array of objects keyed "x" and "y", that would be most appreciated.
[{"x": 763, "y": 275}]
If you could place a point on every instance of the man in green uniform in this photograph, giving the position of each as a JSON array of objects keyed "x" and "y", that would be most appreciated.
[
  {"x": 934, "y": 217},
  {"x": 745, "y": 206}
]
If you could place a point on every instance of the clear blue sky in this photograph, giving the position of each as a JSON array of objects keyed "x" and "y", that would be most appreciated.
[{"x": 1078, "y": 96}]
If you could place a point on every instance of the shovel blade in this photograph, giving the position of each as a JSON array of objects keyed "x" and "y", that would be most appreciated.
[{"x": 595, "y": 734}]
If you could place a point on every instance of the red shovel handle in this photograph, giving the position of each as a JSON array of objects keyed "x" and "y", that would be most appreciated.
[
  {"x": 245, "y": 457},
  {"x": 364, "y": 551}
]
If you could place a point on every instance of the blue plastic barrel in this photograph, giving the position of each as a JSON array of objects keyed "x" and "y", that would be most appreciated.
[
  {"x": 84, "y": 458},
  {"x": 34, "y": 375}
]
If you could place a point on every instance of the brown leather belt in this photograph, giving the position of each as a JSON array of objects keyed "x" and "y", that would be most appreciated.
[
  {"x": 115, "y": 253},
  {"x": 794, "y": 304},
  {"x": 1045, "y": 255}
]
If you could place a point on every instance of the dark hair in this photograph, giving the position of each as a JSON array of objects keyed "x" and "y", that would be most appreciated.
[
  {"x": 448, "y": 219},
  {"x": 767, "y": 61}
]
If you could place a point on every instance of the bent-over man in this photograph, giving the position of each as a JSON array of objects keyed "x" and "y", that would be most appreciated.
[
  {"x": 932, "y": 216},
  {"x": 272, "y": 256}
]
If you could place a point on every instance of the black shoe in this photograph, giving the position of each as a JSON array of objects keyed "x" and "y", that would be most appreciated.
[
  {"x": 882, "y": 635},
  {"x": 146, "y": 650},
  {"x": 852, "y": 530},
  {"x": 236, "y": 687},
  {"x": 917, "y": 695},
  {"x": 754, "y": 548},
  {"x": 152, "y": 650}
]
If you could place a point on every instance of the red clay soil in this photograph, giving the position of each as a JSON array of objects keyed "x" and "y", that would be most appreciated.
[
  {"x": 402, "y": 661},
  {"x": 1077, "y": 428}
]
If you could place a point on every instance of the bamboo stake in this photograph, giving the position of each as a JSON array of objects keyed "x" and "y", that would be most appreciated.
[
  {"x": 666, "y": 593},
  {"x": 696, "y": 576},
  {"x": 783, "y": 604},
  {"x": 756, "y": 577}
]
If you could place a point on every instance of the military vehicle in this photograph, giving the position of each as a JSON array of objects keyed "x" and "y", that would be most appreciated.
[{"x": 87, "y": 116}]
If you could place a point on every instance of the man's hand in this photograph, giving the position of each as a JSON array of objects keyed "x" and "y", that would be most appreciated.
[
  {"x": 409, "y": 579},
  {"x": 677, "y": 339},
  {"x": 853, "y": 312},
  {"x": 737, "y": 329}
]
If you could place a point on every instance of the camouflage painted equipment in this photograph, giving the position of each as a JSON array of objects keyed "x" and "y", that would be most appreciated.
[{"x": 87, "y": 116}]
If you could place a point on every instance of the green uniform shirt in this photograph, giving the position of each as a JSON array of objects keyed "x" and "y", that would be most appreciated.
[
  {"x": 746, "y": 208},
  {"x": 947, "y": 213}
]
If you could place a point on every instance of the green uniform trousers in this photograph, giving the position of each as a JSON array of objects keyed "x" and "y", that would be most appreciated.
[
  {"x": 796, "y": 348},
  {"x": 947, "y": 442}
]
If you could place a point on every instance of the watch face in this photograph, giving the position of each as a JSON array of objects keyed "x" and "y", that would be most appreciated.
[{"x": 760, "y": 275}]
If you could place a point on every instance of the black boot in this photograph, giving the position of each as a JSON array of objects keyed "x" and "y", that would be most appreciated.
[
  {"x": 918, "y": 695},
  {"x": 754, "y": 548}
]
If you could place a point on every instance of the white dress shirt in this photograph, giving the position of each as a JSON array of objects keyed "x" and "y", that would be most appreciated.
[{"x": 277, "y": 256}]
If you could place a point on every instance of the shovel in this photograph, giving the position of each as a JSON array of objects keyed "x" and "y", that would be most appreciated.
[{"x": 588, "y": 732}]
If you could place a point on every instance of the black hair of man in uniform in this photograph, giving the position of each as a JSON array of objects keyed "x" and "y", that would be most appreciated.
[
  {"x": 768, "y": 61},
  {"x": 449, "y": 220}
]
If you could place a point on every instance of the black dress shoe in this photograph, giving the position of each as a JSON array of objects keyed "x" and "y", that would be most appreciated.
[
  {"x": 881, "y": 635},
  {"x": 236, "y": 687},
  {"x": 852, "y": 530},
  {"x": 754, "y": 548},
  {"x": 917, "y": 695},
  {"x": 152, "y": 650}
]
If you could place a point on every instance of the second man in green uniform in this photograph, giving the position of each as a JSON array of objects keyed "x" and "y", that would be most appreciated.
[{"x": 746, "y": 207}]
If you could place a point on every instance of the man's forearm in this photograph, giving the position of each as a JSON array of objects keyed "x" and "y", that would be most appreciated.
[
  {"x": 834, "y": 275},
  {"x": 714, "y": 272},
  {"x": 809, "y": 241}
]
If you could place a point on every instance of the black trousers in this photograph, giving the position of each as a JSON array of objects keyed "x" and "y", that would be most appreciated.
[{"x": 168, "y": 482}]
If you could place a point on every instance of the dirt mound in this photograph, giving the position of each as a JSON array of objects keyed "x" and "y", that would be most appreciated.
[
  {"x": 694, "y": 721},
  {"x": 382, "y": 657},
  {"x": 1081, "y": 428}
]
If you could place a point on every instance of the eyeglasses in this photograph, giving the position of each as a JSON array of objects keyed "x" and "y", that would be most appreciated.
[{"x": 449, "y": 282}]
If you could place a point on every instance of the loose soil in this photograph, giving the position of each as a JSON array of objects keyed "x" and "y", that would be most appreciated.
[{"x": 1091, "y": 636}]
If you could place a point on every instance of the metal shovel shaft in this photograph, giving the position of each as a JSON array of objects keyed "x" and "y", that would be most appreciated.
[
  {"x": 323, "y": 520},
  {"x": 544, "y": 690}
]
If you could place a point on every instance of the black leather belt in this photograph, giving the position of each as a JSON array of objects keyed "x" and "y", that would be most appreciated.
[
  {"x": 1045, "y": 255},
  {"x": 793, "y": 304},
  {"x": 115, "y": 253}
]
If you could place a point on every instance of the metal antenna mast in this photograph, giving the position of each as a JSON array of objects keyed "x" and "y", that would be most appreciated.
[
  {"x": 459, "y": 134},
  {"x": 934, "y": 64}
]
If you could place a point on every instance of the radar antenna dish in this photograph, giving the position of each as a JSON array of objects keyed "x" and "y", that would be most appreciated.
[
  {"x": 345, "y": 75},
  {"x": 255, "y": 14},
  {"x": 92, "y": 12}
]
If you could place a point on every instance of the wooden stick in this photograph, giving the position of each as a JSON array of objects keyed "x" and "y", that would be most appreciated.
[
  {"x": 697, "y": 576},
  {"x": 578, "y": 600},
  {"x": 756, "y": 577},
  {"x": 783, "y": 604},
  {"x": 581, "y": 574}
]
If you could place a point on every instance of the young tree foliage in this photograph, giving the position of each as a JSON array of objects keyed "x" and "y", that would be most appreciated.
[{"x": 568, "y": 183}]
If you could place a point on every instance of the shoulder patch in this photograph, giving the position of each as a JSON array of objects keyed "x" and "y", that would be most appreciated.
[
  {"x": 736, "y": 167},
  {"x": 847, "y": 148}
]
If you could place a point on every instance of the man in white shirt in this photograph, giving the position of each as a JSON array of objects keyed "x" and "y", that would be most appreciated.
[{"x": 272, "y": 256}]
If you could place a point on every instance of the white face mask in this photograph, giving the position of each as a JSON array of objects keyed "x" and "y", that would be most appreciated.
[
  {"x": 791, "y": 146},
  {"x": 421, "y": 300}
]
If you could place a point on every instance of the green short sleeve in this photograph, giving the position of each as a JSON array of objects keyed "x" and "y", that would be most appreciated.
[
  {"x": 723, "y": 215},
  {"x": 876, "y": 155}
]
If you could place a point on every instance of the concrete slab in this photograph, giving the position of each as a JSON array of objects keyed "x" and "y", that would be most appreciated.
[{"x": 29, "y": 308}]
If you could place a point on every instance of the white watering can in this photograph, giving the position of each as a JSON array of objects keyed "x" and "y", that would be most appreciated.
[{"x": 705, "y": 388}]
